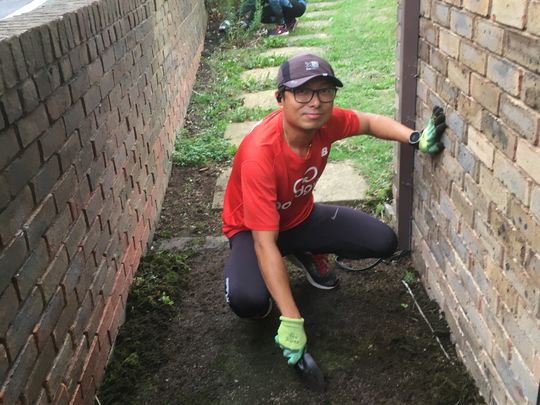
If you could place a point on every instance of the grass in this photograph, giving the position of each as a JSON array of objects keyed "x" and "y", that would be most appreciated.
[{"x": 361, "y": 48}]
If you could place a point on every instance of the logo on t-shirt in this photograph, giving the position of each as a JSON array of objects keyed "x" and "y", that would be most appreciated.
[
  {"x": 324, "y": 151},
  {"x": 304, "y": 185}
]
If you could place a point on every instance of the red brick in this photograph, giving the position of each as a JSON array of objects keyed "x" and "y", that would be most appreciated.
[
  {"x": 73, "y": 373},
  {"x": 29, "y": 96},
  {"x": 91, "y": 99},
  {"x": 87, "y": 381},
  {"x": 90, "y": 241},
  {"x": 21, "y": 327},
  {"x": 73, "y": 117},
  {"x": 61, "y": 396},
  {"x": 9, "y": 146},
  {"x": 12, "y": 105},
  {"x": 86, "y": 276},
  {"x": 11, "y": 258},
  {"x": 91, "y": 327},
  {"x": 64, "y": 189},
  {"x": 7, "y": 67},
  {"x": 58, "y": 102},
  {"x": 66, "y": 319},
  {"x": 116, "y": 321},
  {"x": 43, "y": 329},
  {"x": 58, "y": 231},
  {"x": 8, "y": 299},
  {"x": 41, "y": 368},
  {"x": 47, "y": 80},
  {"x": 22, "y": 169},
  {"x": 84, "y": 314},
  {"x": 77, "y": 398},
  {"x": 52, "y": 140},
  {"x": 59, "y": 365},
  {"x": 54, "y": 273},
  {"x": 31, "y": 270},
  {"x": 33, "y": 125},
  {"x": 78, "y": 58},
  {"x": 32, "y": 48},
  {"x": 45, "y": 179},
  {"x": 20, "y": 371},
  {"x": 4, "y": 362}
]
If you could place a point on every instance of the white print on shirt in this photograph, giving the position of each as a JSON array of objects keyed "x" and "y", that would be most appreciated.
[
  {"x": 324, "y": 151},
  {"x": 302, "y": 186}
]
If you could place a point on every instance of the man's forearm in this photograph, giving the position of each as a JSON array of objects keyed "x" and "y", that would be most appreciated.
[
  {"x": 276, "y": 278},
  {"x": 383, "y": 127}
]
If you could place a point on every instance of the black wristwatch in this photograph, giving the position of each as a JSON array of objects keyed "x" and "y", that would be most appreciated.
[{"x": 414, "y": 138}]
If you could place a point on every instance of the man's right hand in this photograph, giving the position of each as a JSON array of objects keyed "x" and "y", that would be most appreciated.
[{"x": 291, "y": 338}]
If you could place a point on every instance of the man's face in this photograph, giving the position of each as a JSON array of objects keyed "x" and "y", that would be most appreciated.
[{"x": 311, "y": 115}]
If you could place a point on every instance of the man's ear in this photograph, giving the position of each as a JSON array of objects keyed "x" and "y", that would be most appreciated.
[{"x": 279, "y": 96}]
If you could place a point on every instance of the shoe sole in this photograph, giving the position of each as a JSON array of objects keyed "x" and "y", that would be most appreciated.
[
  {"x": 310, "y": 279},
  {"x": 315, "y": 284}
]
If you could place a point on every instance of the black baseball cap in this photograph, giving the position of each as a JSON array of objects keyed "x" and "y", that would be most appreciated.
[{"x": 302, "y": 68}]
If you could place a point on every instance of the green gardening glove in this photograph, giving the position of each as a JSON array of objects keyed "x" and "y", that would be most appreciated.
[
  {"x": 430, "y": 138},
  {"x": 291, "y": 338}
]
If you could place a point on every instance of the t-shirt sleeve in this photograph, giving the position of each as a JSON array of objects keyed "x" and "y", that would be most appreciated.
[
  {"x": 259, "y": 197},
  {"x": 342, "y": 124}
]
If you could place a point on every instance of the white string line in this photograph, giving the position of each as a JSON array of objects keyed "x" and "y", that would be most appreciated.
[{"x": 425, "y": 319}]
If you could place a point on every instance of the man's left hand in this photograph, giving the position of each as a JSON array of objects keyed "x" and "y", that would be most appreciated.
[{"x": 430, "y": 138}]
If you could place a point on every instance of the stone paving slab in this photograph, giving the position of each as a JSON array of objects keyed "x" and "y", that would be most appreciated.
[
  {"x": 261, "y": 74},
  {"x": 321, "y": 4},
  {"x": 320, "y": 14},
  {"x": 316, "y": 24},
  {"x": 295, "y": 39},
  {"x": 339, "y": 183},
  {"x": 196, "y": 244},
  {"x": 236, "y": 131},
  {"x": 293, "y": 50},
  {"x": 263, "y": 99}
]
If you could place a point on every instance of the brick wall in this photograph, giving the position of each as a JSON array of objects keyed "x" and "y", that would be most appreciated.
[
  {"x": 476, "y": 212},
  {"x": 91, "y": 95}
]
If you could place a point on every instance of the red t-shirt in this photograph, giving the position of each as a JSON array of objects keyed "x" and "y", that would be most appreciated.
[{"x": 270, "y": 187}]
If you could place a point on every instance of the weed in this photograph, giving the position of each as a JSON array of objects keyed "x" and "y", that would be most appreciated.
[
  {"x": 410, "y": 277},
  {"x": 198, "y": 151},
  {"x": 156, "y": 290}
]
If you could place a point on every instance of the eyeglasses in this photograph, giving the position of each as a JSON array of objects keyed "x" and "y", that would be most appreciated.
[{"x": 305, "y": 94}]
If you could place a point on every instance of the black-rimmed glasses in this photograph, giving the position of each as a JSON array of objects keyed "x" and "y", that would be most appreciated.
[{"x": 305, "y": 94}]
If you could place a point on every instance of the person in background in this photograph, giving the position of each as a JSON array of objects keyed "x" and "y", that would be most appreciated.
[
  {"x": 269, "y": 211},
  {"x": 282, "y": 13}
]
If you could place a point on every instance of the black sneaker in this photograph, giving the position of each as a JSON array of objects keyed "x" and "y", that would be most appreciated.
[
  {"x": 291, "y": 25},
  {"x": 317, "y": 271},
  {"x": 279, "y": 30}
]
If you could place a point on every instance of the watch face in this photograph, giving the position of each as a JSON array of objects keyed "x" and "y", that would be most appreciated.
[{"x": 415, "y": 137}]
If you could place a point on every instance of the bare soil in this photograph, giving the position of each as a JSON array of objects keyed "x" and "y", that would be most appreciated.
[{"x": 367, "y": 335}]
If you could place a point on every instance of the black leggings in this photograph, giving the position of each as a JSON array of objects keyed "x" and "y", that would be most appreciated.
[{"x": 343, "y": 231}]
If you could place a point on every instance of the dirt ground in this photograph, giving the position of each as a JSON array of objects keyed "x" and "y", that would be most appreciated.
[{"x": 367, "y": 336}]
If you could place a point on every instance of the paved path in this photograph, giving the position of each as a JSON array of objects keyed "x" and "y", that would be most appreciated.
[{"x": 340, "y": 181}]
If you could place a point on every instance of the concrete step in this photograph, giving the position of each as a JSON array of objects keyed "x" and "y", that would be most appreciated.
[
  {"x": 339, "y": 183},
  {"x": 292, "y": 40},
  {"x": 293, "y": 50},
  {"x": 263, "y": 99},
  {"x": 316, "y": 24},
  {"x": 320, "y": 14},
  {"x": 236, "y": 131},
  {"x": 260, "y": 75}
]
